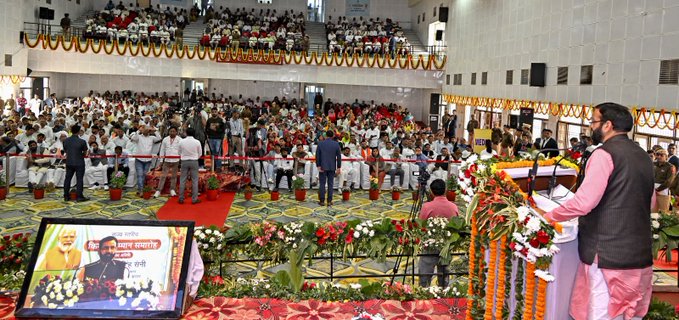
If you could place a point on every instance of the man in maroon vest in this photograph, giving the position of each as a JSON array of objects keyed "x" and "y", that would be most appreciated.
[{"x": 613, "y": 210}]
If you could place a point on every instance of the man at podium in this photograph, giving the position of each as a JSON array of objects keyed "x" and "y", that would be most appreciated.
[{"x": 612, "y": 205}]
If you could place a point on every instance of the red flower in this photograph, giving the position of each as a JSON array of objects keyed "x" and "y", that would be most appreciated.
[
  {"x": 17, "y": 236},
  {"x": 467, "y": 174},
  {"x": 502, "y": 175},
  {"x": 534, "y": 242},
  {"x": 6, "y": 237},
  {"x": 320, "y": 232},
  {"x": 18, "y": 261},
  {"x": 2, "y": 248},
  {"x": 350, "y": 236},
  {"x": 512, "y": 245},
  {"x": 18, "y": 244},
  {"x": 399, "y": 228},
  {"x": 543, "y": 237},
  {"x": 217, "y": 280},
  {"x": 524, "y": 251},
  {"x": 474, "y": 181}
]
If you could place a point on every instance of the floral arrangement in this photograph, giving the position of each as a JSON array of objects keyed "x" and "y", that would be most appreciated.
[
  {"x": 11, "y": 280},
  {"x": 117, "y": 180},
  {"x": 443, "y": 236},
  {"x": 533, "y": 242},
  {"x": 298, "y": 182},
  {"x": 137, "y": 294},
  {"x": 210, "y": 242},
  {"x": 367, "y": 316},
  {"x": 147, "y": 188},
  {"x": 212, "y": 182},
  {"x": 14, "y": 251},
  {"x": 452, "y": 183},
  {"x": 567, "y": 162},
  {"x": 665, "y": 228},
  {"x": 95, "y": 290},
  {"x": 53, "y": 292},
  {"x": 374, "y": 183}
]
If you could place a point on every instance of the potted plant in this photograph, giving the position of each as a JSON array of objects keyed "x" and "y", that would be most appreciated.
[
  {"x": 247, "y": 191},
  {"x": 395, "y": 193},
  {"x": 374, "y": 192},
  {"x": 212, "y": 188},
  {"x": 275, "y": 195},
  {"x": 3, "y": 186},
  {"x": 298, "y": 186},
  {"x": 147, "y": 192},
  {"x": 73, "y": 194},
  {"x": 39, "y": 191},
  {"x": 451, "y": 186},
  {"x": 116, "y": 183},
  {"x": 346, "y": 194}
]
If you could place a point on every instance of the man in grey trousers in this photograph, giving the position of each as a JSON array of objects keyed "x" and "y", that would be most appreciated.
[{"x": 190, "y": 150}]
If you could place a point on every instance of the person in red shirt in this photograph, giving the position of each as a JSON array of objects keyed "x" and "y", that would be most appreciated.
[{"x": 439, "y": 207}]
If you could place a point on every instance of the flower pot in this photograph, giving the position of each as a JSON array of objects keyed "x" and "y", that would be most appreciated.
[
  {"x": 147, "y": 195},
  {"x": 212, "y": 194},
  {"x": 395, "y": 195},
  {"x": 248, "y": 195},
  {"x": 373, "y": 194},
  {"x": 416, "y": 195},
  {"x": 38, "y": 193},
  {"x": 115, "y": 194},
  {"x": 73, "y": 196},
  {"x": 275, "y": 195},
  {"x": 300, "y": 194},
  {"x": 346, "y": 195},
  {"x": 450, "y": 195},
  {"x": 3, "y": 193}
]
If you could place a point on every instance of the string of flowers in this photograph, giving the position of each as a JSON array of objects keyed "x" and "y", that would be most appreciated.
[
  {"x": 541, "y": 303},
  {"x": 490, "y": 281},
  {"x": 501, "y": 277},
  {"x": 518, "y": 291},
  {"x": 530, "y": 291},
  {"x": 472, "y": 268}
]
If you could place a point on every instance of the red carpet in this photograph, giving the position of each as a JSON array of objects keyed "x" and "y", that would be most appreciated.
[{"x": 205, "y": 213}]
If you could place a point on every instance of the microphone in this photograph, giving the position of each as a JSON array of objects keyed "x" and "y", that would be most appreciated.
[
  {"x": 552, "y": 180},
  {"x": 532, "y": 173}
]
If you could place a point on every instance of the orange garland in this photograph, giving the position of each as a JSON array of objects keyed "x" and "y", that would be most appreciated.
[
  {"x": 541, "y": 304},
  {"x": 490, "y": 281},
  {"x": 472, "y": 265},
  {"x": 530, "y": 291},
  {"x": 502, "y": 272}
]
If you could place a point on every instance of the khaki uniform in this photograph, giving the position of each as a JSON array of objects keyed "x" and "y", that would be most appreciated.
[{"x": 663, "y": 177}]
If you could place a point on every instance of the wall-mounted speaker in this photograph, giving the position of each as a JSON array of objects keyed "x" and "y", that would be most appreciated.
[
  {"x": 537, "y": 74},
  {"x": 443, "y": 14},
  {"x": 28, "y": 71},
  {"x": 21, "y": 37},
  {"x": 46, "y": 13},
  {"x": 434, "y": 101},
  {"x": 439, "y": 35}
]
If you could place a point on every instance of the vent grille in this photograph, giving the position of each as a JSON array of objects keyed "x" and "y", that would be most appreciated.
[
  {"x": 586, "y": 74},
  {"x": 473, "y": 78},
  {"x": 447, "y": 79},
  {"x": 510, "y": 77},
  {"x": 457, "y": 79},
  {"x": 562, "y": 75},
  {"x": 484, "y": 78},
  {"x": 669, "y": 72},
  {"x": 524, "y": 76}
]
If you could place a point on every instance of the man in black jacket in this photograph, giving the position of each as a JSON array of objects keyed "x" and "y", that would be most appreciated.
[
  {"x": 75, "y": 150},
  {"x": 546, "y": 142}
]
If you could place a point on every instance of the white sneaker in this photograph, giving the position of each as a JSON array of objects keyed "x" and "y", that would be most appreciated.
[
  {"x": 94, "y": 187},
  {"x": 106, "y": 188},
  {"x": 172, "y": 193},
  {"x": 157, "y": 194}
]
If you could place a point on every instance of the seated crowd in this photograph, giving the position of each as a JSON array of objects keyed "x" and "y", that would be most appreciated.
[
  {"x": 373, "y": 36},
  {"x": 257, "y": 30},
  {"x": 147, "y": 25},
  {"x": 373, "y": 136}
]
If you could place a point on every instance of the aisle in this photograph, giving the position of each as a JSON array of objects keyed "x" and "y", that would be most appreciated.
[{"x": 205, "y": 213}]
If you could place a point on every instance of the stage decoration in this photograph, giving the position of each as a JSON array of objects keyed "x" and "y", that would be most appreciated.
[
  {"x": 665, "y": 227},
  {"x": 13, "y": 79},
  {"x": 643, "y": 116},
  {"x": 502, "y": 224},
  {"x": 248, "y": 56}
]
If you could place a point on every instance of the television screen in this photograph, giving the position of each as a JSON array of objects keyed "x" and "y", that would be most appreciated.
[{"x": 82, "y": 268}]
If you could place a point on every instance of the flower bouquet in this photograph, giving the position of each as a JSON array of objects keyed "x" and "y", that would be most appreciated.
[
  {"x": 15, "y": 250},
  {"x": 53, "y": 292},
  {"x": 137, "y": 294},
  {"x": 298, "y": 186},
  {"x": 210, "y": 242}
]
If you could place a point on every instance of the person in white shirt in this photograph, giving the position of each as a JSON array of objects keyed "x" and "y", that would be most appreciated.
[
  {"x": 284, "y": 165},
  {"x": 28, "y": 135},
  {"x": 169, "y": 147},
  {"x": 349, "y": 175},
  {"x": 190, "y": 150},
  {"x": 144, "y": 146},
  {"x": 96, "y": 166},
  {"x": 236, "y": 130},
  {"x": 395, "y": 168}
]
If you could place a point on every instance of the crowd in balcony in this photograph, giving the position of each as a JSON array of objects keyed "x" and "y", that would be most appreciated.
[
  {"x": 139, "y": 25},
  {"x": 263, "y": 29},
  {"x": 372, "y": 36}
]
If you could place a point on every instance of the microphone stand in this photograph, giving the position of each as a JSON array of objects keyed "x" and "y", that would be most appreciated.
[
  {"x": 532, "y": 173},
  {"x": 552, "y": 180}
]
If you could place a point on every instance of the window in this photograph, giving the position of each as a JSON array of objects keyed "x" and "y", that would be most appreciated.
[
  {"x": 669, "y": 72},
  {"x": 524, "y": 76},
  {"x": 562, "y": 75},
  {"x": 447, "y": 79},
  {"x": 8, "y": 60},
  {"x": 457, "y": 79},
  {"x": 484, "y": 78},
  {"x": 510, "y": 77},
  {"x": 473, "y": 78},
  {"x": 586, "y": 74}
]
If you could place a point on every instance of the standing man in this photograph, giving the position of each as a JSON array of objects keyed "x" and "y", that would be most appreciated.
[
  {"x": 613, "y": 207},
  {"x": 439, "y": 207},
  {"x": 216, "y": 128},
  {"x": 190, "y": 150},
  {"x": 75, "y": 150},
  {"x": 237, "y": 135},
  {"x": 169, "y": 147},
  {"x": 663, "y": 173},
  {"x": 546, "y": 142},
  {"x": 471, "y": 125},
  {"x": 674, "y": 160},
  {"x": 144, "y": 146},
  {"x": 328, "y": 159}
]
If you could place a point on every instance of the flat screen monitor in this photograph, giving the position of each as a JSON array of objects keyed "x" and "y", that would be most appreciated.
[{"x": 87, "y": 268}]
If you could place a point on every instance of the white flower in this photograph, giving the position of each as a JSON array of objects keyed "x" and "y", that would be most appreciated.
[
  {"x": 655, "y": 224},
  {"x": 523, "y": 212},
  {"x": 359, "y": 227},
  {"x": 544, "y": 275},
  {"x": 355, "y": 286},
  {"x": 52, "y": 306},
  {"x": 219, "y": 246},
  {"x": 655, "y": 236},
  {"x": 518, "y": 237},
  {"x": 212, "y": 240},
  {"x": 655, "y": 216},
  {"x": 122, "y": 301},
  {"x": 533, "y": 224},
  {"x": 554, "y": 249},
  {"x": 44, "y": 300},
  {"x": 372, "y": 233},
  {"x": 357, "y": 234},
  {"x": 208, "y": 231},
  {"x": 466, "y": 198},
  {"x": 481, "y": 167}
]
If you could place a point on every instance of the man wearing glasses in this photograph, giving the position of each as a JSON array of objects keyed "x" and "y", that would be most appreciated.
[{"x": 613, "y": 207}]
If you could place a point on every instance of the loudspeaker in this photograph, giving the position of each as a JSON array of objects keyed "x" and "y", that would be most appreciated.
[
  {"x": 28, "y": 71},
  {"x": 514, "y": 121},
  {"x": 525, "y": 117},
  {"x": 537, "y": 74},
  {"x": 439, "y": 35},
  {"x": 21, "y": 37},
  {"x": 46, "y": 13},
  {"x": 434, "y": 101},
  {"x": 443, "y": 14}
]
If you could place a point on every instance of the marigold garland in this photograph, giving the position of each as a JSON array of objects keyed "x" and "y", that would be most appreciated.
[
  {"x": 490, "y": 280},
  {"x": 541, "y": 303},
  {"x": 472, "y": 267},
  {"x": 530, "y": 291},
  {"x": 501, "y": 279}
]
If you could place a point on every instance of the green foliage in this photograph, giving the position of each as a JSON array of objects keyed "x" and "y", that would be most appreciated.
[
  {"x": 212, "y": 183},
  {"x": 117, "y": 180},
  {"x": 298, "y": 182},
  {"x": 452, "y": 183},
  {"x": 661, "y": 310}
]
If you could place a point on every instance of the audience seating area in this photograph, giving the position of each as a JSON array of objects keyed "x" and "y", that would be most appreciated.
[{"x": 373, "y": 36}]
